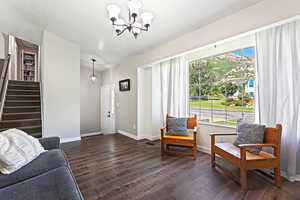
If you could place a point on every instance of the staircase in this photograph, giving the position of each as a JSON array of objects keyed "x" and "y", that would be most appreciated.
[
  {"x": 1, "y": 64},
  {"x": 22, "y": 107}
]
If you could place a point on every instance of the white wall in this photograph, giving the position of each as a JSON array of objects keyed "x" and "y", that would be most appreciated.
[
  {"x": 145, "y": 105},
  {"x": 13, "y": 51},
  {"x": 2, "y": 46},
  {"x": 89, "y": 101},
  {"x": 11, "y": 22},
  {"x": 251, "y": 18},
  {"x": 60, "y": 87}
]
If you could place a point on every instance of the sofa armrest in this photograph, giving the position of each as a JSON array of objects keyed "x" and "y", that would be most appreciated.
[
  {"x": 44, "y": 162},
  {"x": 50, "y": 143}
]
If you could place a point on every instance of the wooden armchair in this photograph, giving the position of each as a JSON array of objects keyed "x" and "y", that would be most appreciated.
[
  {"x": 189, "y": 141},
  {"x": 240, "y": 157}
]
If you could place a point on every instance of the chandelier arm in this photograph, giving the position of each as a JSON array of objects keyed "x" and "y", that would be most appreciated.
[
  {"x": 123, "y": 31},
  {"x": 124, "y": 25},
  {"x": 114, "y": 24},
  {"x": 142, "y": 29}
]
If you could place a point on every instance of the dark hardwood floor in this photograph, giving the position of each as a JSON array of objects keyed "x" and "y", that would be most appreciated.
[{"x": 114, "y": 167}]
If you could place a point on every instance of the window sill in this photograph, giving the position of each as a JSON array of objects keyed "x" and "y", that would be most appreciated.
[{"x": 215, "y": 124}]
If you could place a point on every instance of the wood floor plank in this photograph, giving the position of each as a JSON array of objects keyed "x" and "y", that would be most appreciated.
[{"x": 114, "y": 167}]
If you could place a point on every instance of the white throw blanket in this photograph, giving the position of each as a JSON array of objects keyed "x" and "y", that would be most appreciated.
[{"x": 17, "y": 149}]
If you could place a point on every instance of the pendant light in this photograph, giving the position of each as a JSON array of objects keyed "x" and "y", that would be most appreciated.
[{"x": 93, "y": 77}]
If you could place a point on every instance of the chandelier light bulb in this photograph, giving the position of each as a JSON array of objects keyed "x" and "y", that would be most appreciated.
[
  {"x": 113, "y": 12},
  {"x": 119, "y": 25},
  {"x": 136, "y": 28},
  {"x": 147, "y": 19},
  {"x": 134, "y": 7},
  {"x": 93, "y": 78}
]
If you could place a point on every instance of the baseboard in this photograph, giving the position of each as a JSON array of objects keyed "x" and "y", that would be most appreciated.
[
  {"x": 203, "y": 149},
  {"x": 90, "y": 134},
  {"x": 65, "y": 140},
  {"x": 290, "y": 178},
  {"x": 153, "y": 138},
  {"x": 130, "y": 135}
]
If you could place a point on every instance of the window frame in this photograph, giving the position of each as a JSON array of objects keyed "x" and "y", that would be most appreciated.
[{"x": 214, "y": 55}]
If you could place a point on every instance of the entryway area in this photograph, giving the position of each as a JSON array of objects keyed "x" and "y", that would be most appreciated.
[{"x": 97, "y": 98}]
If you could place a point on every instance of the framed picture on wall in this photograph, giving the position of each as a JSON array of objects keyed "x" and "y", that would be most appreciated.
[{"x": 124, "y": 85}]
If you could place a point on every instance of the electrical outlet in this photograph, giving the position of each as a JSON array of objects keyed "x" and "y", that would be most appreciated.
[{"x": 134, "y": 126}]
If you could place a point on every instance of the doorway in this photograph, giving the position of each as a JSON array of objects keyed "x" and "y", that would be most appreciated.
[{"x": 108, "y": 109}]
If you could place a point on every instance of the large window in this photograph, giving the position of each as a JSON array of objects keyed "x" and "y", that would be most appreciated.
[{"x": 222, "y": 87}]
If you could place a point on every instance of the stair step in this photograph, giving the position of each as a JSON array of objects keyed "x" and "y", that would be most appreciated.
[
  {"x": 16, "y": 82},
  {"x": 21, "y": 109},
  {"x": 22, "y": 92},
  {"x": 20, "y": 123},
  {"x": 22, "y": 97},
  {"x": 22, "y": 103},
  {"x": 35, "y": 131},
  {"x": 23, "y": 87},
  {"x": 25, "y": 115}
]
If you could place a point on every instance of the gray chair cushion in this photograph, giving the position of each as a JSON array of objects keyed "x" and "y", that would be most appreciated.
[
  {"x": 250, "y": 134},
  {"x": 50, "y": 143},
  {"x": 177, "y": 126},
  {"x": 55, "y": 184},
  {"x": 45, "y": 162}
]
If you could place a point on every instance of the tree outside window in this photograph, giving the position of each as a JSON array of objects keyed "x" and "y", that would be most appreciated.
[{"x": 222, "y": 87}]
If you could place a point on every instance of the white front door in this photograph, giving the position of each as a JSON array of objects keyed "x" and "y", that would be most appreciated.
[{"x": 108, "y": 109}]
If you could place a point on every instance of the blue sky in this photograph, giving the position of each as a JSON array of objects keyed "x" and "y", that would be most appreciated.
[{"x": 246, "y": 52}]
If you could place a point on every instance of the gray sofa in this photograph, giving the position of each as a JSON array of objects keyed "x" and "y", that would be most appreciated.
[{"x": 48, "y": 177}]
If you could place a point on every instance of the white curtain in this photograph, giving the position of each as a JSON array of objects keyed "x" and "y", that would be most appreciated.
[
  {"x": 170, "y": 89},
  {"x": 278, "y": 88}
]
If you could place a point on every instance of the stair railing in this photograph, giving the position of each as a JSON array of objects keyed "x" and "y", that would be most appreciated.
[{"x": 4, "y": 82}]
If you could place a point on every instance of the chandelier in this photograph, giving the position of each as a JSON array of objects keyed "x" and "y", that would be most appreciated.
[{"x": 133, "y": 25}]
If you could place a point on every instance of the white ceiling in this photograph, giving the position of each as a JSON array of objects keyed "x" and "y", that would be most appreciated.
[{"x": 86, "y": 23}]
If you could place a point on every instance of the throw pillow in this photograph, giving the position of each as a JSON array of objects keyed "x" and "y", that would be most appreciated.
[
  {"x": 177, "y": 126},
  {"x": 250, "y": 134},
  {"x": 17, "y": 149}
]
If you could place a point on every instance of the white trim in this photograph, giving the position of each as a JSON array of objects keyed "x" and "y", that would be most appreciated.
[
  {"x": 91, "y": 134},
  {"x": 130, "y": 135},
  {"x": 152, "y": 138},
  {"x": 203, "y": 149},
  {"x": 290, "y": 178},
  {"x": 140, "y": 116},
  {"x": 215, "y": 124},
  {"x": 65, "y": 140}
]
